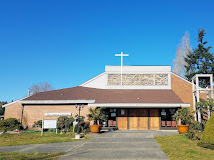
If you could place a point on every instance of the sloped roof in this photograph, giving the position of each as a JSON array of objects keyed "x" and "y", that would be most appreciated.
[{"x": 109, "y": 95}]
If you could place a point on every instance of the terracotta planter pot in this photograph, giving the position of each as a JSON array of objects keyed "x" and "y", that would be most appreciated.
[
  {"x": 95, "y": 128},
  {"x": 100, "y": 127},
  {"x": 183, "y": 128}
]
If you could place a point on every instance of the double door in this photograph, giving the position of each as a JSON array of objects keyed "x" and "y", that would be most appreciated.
[{"x": 138, "y": 119}]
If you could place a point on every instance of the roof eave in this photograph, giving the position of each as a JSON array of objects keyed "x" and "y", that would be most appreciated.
[
  {"x": 140, "y": 105},
  {"x": 84, "y": 101},
  {"x": 8, "y": 104}
]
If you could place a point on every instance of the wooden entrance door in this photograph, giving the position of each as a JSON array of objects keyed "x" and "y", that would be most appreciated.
[
  {"x": 122, "y": 119},
  {"x": 133, "y": 119},
  {"x": 154, "y": 119},
  {"x": 138, "y": 119},
  {"x": 143, "y": 119}
]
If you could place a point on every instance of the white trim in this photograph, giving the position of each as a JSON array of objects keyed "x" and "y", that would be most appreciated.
[
  {"x": 137, "y": 72},
  {"x": 144, "y": 105},
  {"x": 56, "y": 101},
  {"x": 92, "y": 79},
  {"x": 8, "y": 104},
  {"x": 152, "y": 87},
  {"x": 169, "y": 81},
  {"x": 181, "y": 77},
  {"x": 138, "y": 68},
  {"x": 202, "y": 75}
]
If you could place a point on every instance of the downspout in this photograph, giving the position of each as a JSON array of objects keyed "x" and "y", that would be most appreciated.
[
  {"x": 22, "y": 112},
  {"x": 29, "y": 94}
]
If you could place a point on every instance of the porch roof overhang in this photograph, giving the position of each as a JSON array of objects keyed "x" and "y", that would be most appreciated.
[{"x": 140, "y": 105}]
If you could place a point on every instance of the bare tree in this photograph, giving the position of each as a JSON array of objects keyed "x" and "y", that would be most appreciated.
[
  {"x": 177, "y": 61},
  {"x": 41, "y": 87},
  {"x": 182, "y": 50}
]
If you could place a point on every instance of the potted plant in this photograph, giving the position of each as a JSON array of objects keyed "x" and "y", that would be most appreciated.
[
  {"x": 97, "y": 115},
  {"x": 183, "y": 115}
]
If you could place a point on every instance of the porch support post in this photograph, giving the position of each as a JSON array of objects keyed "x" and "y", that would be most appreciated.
[
  {"x": 197, "y": 96},
  {"x": 193, "y": 96},
  {"x": 148, "y": 119},
  {"x": 128, "y": 118}
]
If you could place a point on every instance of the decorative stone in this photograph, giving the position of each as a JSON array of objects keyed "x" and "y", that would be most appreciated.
[
  {"x": 138, "y": 79},
  {"x": 131, "y": 79},
  {"x": 161, "y": 79},
  {"x": 114, "y": 79}
]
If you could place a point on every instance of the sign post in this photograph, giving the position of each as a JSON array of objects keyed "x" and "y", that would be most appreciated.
[{"x": 49, "y": 124}]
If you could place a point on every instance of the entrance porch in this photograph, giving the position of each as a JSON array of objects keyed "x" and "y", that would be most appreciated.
[{"x": 140, "y": 119}]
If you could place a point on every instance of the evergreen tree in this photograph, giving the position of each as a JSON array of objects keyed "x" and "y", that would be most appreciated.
[
  {"x": 2, "y": 109},
  {"x": 200, "y": 61}
]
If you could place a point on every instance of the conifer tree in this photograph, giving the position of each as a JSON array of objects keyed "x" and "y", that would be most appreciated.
[{"x": 200, "y": 61}]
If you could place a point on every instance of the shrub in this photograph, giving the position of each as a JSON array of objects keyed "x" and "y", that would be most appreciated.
[
  {"x": 208, "y": 134},
  {"x": 81, "y": 128},
  {"x": 190, "y": 134},
  {"x": 195, "y": 125},
  {"x": 198, "y": 136},
  {"x": 37, "y": 124},
  {"x": 71, "y": 120},
  {"x": 10, "y": 124},
  {"x": 206, "y": 145},
  {"x": 82, "y": 118},
  {"x": 75, "y": 128},
  {"x": 84, "y": 127},
  {"x": 2, "y": 129},
  {"x": 193, "y": 135},
  {"x": 65, "y": 123},
  {"x": 52, "y": 130}
]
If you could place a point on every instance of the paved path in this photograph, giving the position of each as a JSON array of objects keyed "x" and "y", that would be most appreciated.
[
  {"x": 121, "y": 145},
  {"x": 111, "y": 145}
]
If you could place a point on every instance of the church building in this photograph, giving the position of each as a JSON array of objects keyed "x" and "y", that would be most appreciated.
[{"x": 134, "y": 97}]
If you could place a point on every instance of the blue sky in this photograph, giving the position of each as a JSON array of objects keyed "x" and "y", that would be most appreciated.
[{"x": 68, "y": 42}]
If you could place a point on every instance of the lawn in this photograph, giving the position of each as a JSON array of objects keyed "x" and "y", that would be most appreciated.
[
  {"x": 34, "y": 138},
  {"x": 178, "y": 147},
  {"x": 28, "y": 156}
]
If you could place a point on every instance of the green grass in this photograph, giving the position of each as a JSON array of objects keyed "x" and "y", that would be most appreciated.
[
  {"x": 178, "y": 147},
  {"x": 28, "y": 156},
  {"x": 25, "y": 138}
]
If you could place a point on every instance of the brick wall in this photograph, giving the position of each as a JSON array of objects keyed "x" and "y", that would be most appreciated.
[
  {"x": 13, "y": 111},
  {"x": 183, "y": 89},
  {"x": 34, "y": 113}
]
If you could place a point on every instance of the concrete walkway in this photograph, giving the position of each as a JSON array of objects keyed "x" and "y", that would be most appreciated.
[{"x": 111, "y": 145}]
